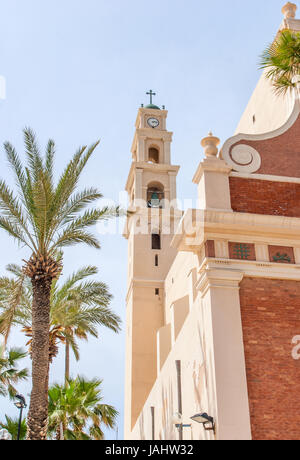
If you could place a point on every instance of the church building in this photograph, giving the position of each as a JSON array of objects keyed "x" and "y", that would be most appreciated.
[{"x": 213, "y": 296}]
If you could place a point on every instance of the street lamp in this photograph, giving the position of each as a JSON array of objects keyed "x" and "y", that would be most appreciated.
[
  {"x": 20, "y": 404},
  {"x": 207, "y": 421}
]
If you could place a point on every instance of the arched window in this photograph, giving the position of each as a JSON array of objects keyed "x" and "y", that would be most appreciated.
[
  {"x": 153, "y": 155},
  {"x": 155, "y": 196}
]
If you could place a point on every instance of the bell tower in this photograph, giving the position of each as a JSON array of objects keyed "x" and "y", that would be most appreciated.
[
  {"x": 151, "y": 155},
  {"x": 151, "y": 188}
]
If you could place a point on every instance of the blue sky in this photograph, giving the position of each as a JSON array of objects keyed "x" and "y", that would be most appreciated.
[{"x": 77, "y": 71}]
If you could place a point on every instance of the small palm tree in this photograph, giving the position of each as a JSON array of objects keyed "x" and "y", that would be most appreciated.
[
  {"x": 78, "y": 306},
  {"x": 76, "y": 411},
  {"x": 43, "y": 217},
  {"x": 282, "y": 61},
  {"x": 9, "y": 373},
  {"x": 12, "y": 426}
]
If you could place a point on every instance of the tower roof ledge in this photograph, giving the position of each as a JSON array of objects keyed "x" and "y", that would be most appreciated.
[{"x": 152, "y": 106}]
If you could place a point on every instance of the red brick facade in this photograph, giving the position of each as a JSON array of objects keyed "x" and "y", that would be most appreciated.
[
  {"x": 282, "y": 255},
  {"x": 279, "y": 155},
  {"x": 210, "y": 249},
  {"x": 271, "y": 318},
  {"x": 265, "y": 197}
]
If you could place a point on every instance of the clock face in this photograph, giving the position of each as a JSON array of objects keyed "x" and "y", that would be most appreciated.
[{"x": 153, "y": 122}]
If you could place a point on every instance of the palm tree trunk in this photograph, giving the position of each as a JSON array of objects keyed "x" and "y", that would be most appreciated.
[
  {"x": 60, "y": 432},
  {"x": 4, "y": 346},
  {"x": 67, "y": 361},
  {"x": 38, "y": 411},
  {"x": 3, "y": 349},
  {"x": 58, "y": 435}
]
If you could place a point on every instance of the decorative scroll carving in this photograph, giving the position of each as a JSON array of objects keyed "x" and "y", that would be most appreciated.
[{"x": 243, "y": 158}]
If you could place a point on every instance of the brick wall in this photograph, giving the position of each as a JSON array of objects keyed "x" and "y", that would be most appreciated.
[
  {"x": 265, "y": 197},
  {"x": 271, "y": 318},
  {"x": 210, "y": 249},
  {"x": 279, "y": 155}
]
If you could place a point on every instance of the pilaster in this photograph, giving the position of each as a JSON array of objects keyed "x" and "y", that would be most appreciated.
[{"x": 219, "y": 289}]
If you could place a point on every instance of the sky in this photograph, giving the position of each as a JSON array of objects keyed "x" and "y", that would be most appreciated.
[{"x": 77, "y": 71}]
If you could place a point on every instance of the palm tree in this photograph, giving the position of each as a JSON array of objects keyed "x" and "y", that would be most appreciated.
[
  {"x": 282, "y": 61},
  {"x": 12, "y": 426},
  {"x": 76, "y": 411},
  {"x": 78, "y": 306},
  {"x": 44, "y": 217},
  {"x": 9, "y": 373}
]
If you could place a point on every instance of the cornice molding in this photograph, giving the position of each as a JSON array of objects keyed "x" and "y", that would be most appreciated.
[
  {"x": 266, "y": 177},
  {"x": 290, "y": 24},
  {"x": 212, "y": 165},
  {"x": 155, "y": 168},
  {"x": 136, "y": 282},
  {"x": 197, "y": 224},
  {"x": 149, "y": 133},
  {"x": 215, "y": 277},
  {"x": 225, "y": 269}
]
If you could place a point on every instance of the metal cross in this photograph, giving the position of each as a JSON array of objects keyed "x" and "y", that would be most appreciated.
[{"x": 151, "y": 94}]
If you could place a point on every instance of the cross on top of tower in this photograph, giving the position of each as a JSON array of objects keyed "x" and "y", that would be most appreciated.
[
  {"x": 151, "y": 94},
  {"x": 151, "y": 105}
]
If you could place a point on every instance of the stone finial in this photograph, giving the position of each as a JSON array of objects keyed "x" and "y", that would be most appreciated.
[
  {"x": 289, "y": 10},
  {"x": 210, "y": 145}
]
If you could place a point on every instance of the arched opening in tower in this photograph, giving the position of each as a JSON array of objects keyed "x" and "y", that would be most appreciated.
[
  {"x": 155, "y": 196},
  {"x": 153, "y": 155}
]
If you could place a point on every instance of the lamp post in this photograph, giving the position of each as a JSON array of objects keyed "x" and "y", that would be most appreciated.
[
  {"x": 20, "y": 404},
  {"x": 177, "y": 421},
  {"x": 207, "y": 421}
]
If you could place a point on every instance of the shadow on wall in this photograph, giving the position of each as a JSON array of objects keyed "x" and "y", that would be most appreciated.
[
  {"x": 200, "y": 380},
  {"x": 180, "y": 313},
  {"x": 167, "y": 414},
  {"x": 142, "y": 427},
  {"x": 208, "y": 363}
]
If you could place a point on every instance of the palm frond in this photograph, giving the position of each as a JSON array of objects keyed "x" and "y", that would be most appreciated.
[
  {"x": 12, "y": 213},
  {"x": 14, "y": 293},
  {"x": 17, "y": 168},
  {"x": 9, "y": 373},
  {"x": 71, "y": 237},
  {"x": 34, "y": 158},
  {"x": 74, "y": 346},
  {"x": 64, "y": 190},
  {"x": 81, "y": 274},
  {"x": 13, "y": 230},
  {"x": 281, "y": 61},
  {"x": 77, "y": 203},
  {"x": 49, "y": 161}
]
